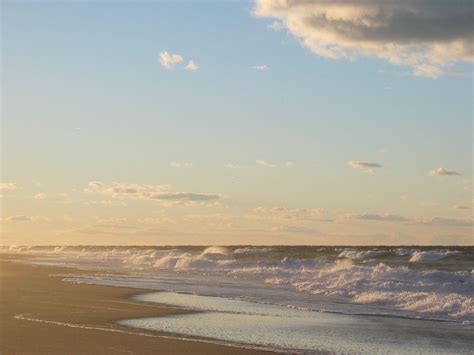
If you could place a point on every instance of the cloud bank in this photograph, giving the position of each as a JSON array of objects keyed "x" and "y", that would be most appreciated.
[
  {"x": 427, "y": 35},
  {"x": 8, "y": 186},
  {"x": 148, "y": 192}
]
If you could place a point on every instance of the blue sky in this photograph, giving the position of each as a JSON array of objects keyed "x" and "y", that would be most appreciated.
[{"x": 86, "y": 99}]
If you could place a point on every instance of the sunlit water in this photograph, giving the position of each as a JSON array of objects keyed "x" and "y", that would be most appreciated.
[{"x": 281, "y": 327}]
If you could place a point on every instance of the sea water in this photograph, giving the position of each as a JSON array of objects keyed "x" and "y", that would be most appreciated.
[
  {"x": 287, "y": 328},
  {"x": 394, "y": 294},
  {"x": 424, "y": 282}
]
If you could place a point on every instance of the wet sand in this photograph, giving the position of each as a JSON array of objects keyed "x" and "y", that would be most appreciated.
[{"x": 40, "y": 314}]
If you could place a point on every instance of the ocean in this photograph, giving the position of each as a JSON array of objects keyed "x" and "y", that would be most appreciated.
[{"x": 344, "y": 299}]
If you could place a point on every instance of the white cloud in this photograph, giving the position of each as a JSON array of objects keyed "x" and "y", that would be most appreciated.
[
  {"x": 276, "y": 26},
  {"x": 364, "y": 165},
  {"x": 265, "y": 163},
  {"x": 168, "y": 60},
  {"x": 428, "y": 70},
  {"x": 40, "y": 196},
  {"x": 260, "y": 67},
  {"x": 290, "y": 164},
  {"x": 444, "y": 172},
  {"x": 460, "y": 207},
  {"x": 192, "y": 66},
  {"x": 427, "y": 35},
  {"x": 368, "y": 167},
  {"x": 8, "y": 186},
  {"x": 149, "y": 192}
]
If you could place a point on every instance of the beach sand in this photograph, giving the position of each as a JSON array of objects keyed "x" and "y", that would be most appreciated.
[{"x": 81, "y": 317}]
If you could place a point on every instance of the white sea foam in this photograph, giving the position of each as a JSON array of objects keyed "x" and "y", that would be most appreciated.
[
  {"x": 216, "y": 251},
  {"x": 424, "y": 256},
  {"x": 452, "y": 304},
  {"x": 404, "y": 251},
  {"x": 355, "y": 254}
]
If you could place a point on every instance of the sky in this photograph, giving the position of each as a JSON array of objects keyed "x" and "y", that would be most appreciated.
[{"x": 237, "y": 122}]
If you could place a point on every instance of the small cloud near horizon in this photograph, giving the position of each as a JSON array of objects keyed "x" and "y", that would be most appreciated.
[
  {"x": 159, "y": 193},
  {"x": 8, "y": 186},
  {"x": 461, "y": 207},
  {"x": 265, "y": 163},
  {"x": 444, "y": 172},
  {"x": 363, "y": 165}
]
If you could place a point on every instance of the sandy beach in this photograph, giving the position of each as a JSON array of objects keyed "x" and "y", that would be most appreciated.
[{"x": 44, "y": 315}]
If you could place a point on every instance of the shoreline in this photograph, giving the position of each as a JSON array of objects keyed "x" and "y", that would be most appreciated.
[{"x": 42, "y": 314}]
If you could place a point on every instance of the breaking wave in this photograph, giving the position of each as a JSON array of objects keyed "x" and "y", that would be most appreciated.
[
  {"x": 423, "y": 256},
  {"x": 354, "y": 254}
]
